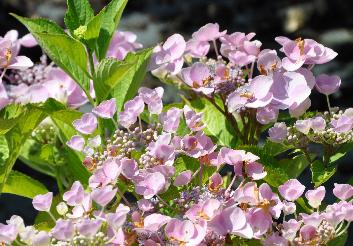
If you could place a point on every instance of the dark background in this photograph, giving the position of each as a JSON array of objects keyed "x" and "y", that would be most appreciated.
[{"x": 327, "y": 21}]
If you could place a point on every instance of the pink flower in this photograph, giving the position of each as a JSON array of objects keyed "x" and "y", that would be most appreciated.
[
  {"x": 267, "y": 114},
  {"x": 198, "y": 77},
  {"x": 297, "y": 110},
  {"x": 231, "y": 220},
  {"x": 89, "y": 228},
  {"x": 343, "y": 124},
  {"x": 239, "y": 47},
  {"x": 198, "y": 145},
  {"x": 326, "y": 84},
  {"x": 215, "y": 182},
  {"x": 76, "y": 143},
  {"x": 183, "y": 178},
  {"x": 305, "y": 51},
  {"x": 186, "y": 232},
  {"x": 64, "y": 230},
  {"x": 193, "y": 120},
  {"x": 150, "y": 185},
  {"x": 117, "y": 219},
  {"x": 75, "y": 195},
  {"x": 170, "y": 119},
  {"x": 268, "y": 62},
  {"x": 278, "y": 133},
  {"x": 196, "y": 48},
  {"x": 106, "y": 109},
  {"x": 318, "y": 124},
  {"x": 87, "y": 124},
  {"x": 122, "y": 43},
  {"x": 208, "y": 32},
  {"x": 42, "y": 238},
  {"x": 43, "y": 202},
  {"x": 343, "y": 191},
  {"x": 8, "y": 233},
  {"x": 290, "y": 229},
  {"x": 153, "y": 222},
  {"x": 169, "y": 56},
  {"x": 145, "y": 205},
  {"x": 204, "y": 210},
  {"x": 132, "y": 109},
  {"x": 303, "y": 126},
  {"x": 316, "y": 196},
  {"x": 162, "y": 150},
  {"x": 255, "y": 95},
  {"x": 275, "y": 240},
  {"x": 103, "y": 195},
  {"x": 307, "y": 233},
  {"x": 153, "y": 98},
  {"x": 291, "y": 190}
]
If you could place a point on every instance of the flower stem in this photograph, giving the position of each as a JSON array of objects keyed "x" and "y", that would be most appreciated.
[
  {"x": 328, "y": 104},
  {"x": 215, "y": 47},
  {"x": 3, "y": 73}
]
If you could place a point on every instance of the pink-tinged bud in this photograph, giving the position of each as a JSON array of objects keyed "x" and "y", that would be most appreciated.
[
  {"x": 291, "y": 190},
  {"x": 43, "y": 202},
  {"x": 343, "y": 191},
  {"x": 326, "y": 84}
]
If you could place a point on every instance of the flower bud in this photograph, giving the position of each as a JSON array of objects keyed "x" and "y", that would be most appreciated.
[
  {"x": 62, "y": 208},
  {"x": 326, "y": 84}
]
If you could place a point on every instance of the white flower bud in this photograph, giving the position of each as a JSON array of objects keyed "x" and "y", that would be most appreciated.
[{"x": 62, "y": 208}]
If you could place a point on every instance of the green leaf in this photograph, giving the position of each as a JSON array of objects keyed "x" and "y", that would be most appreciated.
[
  {"x": 68, "y": 53},
  {"x": 320, "y": 173},
  {"x": 126, "y": 89},
  {"x": 93, "y": 30},
  {"x": 111, "y": 15},
  {"x": 109, "y": 74},
  {"x": 216, "y": 123},
  {"x": 32, "y": 159},
  {"x": 20, "y": 184},
  {"x": 79, "y": 13},
  {"x": 341, "y": 152},
  {"x": 339, "y": 241},
  {"x": 4, "y": 150},
  {"x": 16, "y": 136}
]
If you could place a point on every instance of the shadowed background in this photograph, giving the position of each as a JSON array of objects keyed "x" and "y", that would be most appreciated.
[{"x": 328, "y": 22}]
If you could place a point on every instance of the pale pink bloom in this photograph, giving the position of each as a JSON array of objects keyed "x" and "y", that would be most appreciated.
[
  {"x": 343, "y": 124},
  {"x": 103, "y": 195},
  {"x": 208, "y": 32},
  {"x": 297, "y": 110},
  {"x": 8, "y": 233},
  {"x": 42, "y": 238},
  {"x": 267, "y": 114},
  {"x": 169, "y": 56},
  {"x": 43, "y": 202},
  {"x": 198, "y": 145},
  {"x": 215, "y": 182},
  {"x": 64, "y": 230},
  {"x": 291, "y": 190},
  {"x": 196, "y": 48},
  {"x": 268, "y": 62},
  {"x": 198, "y": 77},
  {"x": 150, "y": 185},
  {"x": 278, "y": 133},
  {"x": 231, "y": 220},
  {"x": 88, "y": 227},
  {"x": 183, "y": 178},
  {"x": 116, "y": 220},
  {"x": 303, "y": 126},
  {"x": 186, "y": 232},
  {"x": 106, "y": 109},
  {"x": 132, "y": 109},
  {"x": 153, "y": 222},
  {"x": 76, "y": 143},
  {"x": 193, "y": 119},
  {"x": 75, "y": 195},
  {"x": 162, "y": 150},
  {"x": 288, "y": 207},
  {"x": 308, "y": 233},
  {"x": 313, "y": 219},
  {"x": 170, "y": 119},
  {"x": 343, "y": 191},
  {"x": 145, "y": 205},
  {"x": 153, "y": 98},
  {"x": 275, "y": 240},
  {"x": 290, "y": 229},
  {"x": 87, "y": 124},
  {"x": 123, "y": 43},
  {"x": 316, "y": 196},
  {"x": 204, "y": 210}
]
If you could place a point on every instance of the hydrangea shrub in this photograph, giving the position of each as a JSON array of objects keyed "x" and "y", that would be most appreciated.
[{"x": 219, "y": 168}]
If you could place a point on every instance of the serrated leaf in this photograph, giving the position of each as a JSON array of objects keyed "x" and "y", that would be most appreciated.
[
  {"x": 20, "y": 184},
  {"x": 68, "y": 53},
  {"x": 109, "y": 74},
  {"x": 216, "y": 123},
  {"x": 320, "y": 173},
  {"x": 79, "y": 13},
  {"x": 126, "y": 89},
  {"x": 93, "y": 30},
  {"x": 111, "y": 15}
]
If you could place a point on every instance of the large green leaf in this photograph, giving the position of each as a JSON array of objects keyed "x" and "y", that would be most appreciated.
[
  {"x": 109, "y": 74},
  {"x": 68, "y": 53},
  {"x": 16, "y": 136},
  {"x": 320, "y": 173},
  {"x": 111, "y": 17},
  {"x": 127, "y": 88},
  {"x": 20, "y": 184},
  {"x": 79, "y": 13},
  {"x": 339, "y": 241},
  {"x": 216, "y": 123}
]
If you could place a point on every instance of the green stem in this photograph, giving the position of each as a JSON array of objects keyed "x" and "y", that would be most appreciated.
[{"x": 328, "y": 104}]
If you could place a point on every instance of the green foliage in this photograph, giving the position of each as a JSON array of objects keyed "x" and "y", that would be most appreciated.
[
  {"x": 217, "y": 126},
  {"x": 320, "y": 173},
  {"x": 68, "y": 53},
  {"x": 339, "y": 241},
  {"x": 79, "y": 13},
  {"x": 109, "y": 74},
  {"x": 20, "y": 184},
  {"x": 127, "y": 87},
  {"x": 111, "y": 15}
]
